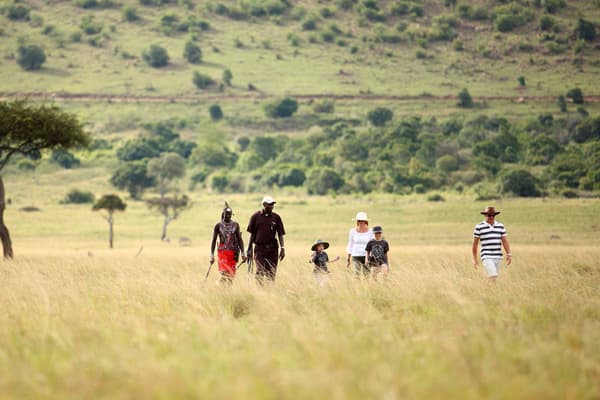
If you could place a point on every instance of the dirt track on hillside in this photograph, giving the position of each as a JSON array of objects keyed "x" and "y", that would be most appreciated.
[{"x": 123, "y": 98}]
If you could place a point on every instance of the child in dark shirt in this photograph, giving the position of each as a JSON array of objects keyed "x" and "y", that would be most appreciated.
[
  {"x": 377, "y": 253},
  {"x": 320, "y": 259}
]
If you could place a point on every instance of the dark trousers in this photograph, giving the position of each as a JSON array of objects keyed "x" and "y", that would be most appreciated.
[{"x": 266, "y": 263}]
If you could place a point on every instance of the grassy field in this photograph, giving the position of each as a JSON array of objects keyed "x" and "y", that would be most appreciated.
[{"x": 82, "y": 321}]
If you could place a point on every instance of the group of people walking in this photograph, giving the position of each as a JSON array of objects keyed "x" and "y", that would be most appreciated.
[{"x": 367, "y": 250}]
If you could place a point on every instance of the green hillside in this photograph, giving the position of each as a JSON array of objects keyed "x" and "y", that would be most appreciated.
[{"x": 139, "y": 70}]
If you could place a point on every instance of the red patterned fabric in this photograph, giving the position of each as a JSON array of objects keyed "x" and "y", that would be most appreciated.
[{"x": 226, "y": 261}]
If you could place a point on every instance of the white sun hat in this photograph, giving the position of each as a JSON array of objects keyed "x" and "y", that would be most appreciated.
[
  {"x": 361, "y": 216},
  {"x": 268, "y": 200}
]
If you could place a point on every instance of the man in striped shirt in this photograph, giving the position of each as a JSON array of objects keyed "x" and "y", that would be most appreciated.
[{"x": 492, "y": 235}]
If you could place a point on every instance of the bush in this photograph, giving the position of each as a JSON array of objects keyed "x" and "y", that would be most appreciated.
[
  {"x": 156, "y": 56},
  {"x": 220, "y": 182},
  {"x": 30, "y": 57},
  {"x": 464, "y": 99},
  {"x": 562, "y": 103},
  {"x": 227, "y": 77},
  {"x": 547, "y": 23},
  {"x": 585, "y": 30},
  {"x": 324, "y": 106},
  {"x": 322, "y": 180},
  {"x": 380, "y": 116},
  {"x": 576, "y": 95},
  {"x": 435, "y": 197},
  {"x": 215, "y": 112},
  {"x": 17, "y": 12},
  {"x": 130, "y": 14},
  {"x": 309, "y": 24},
  {"x": 192, "y": 52},
  {"x": 521, "y": 183},
  {"x": 281, "y": 109},
  {"x": 506, "y": 22},
  {"x": 89, "y": 26},
  {"x": 202, "y": 81},
  {"x": 419, "y": 188},
  {"x": 553, "y": 6},
  {"x": 26, "y": 165},
  {"x": 78, "y": 197},
  {"x": 65, "y": 159},
  {"x": 447, "y": 163}
]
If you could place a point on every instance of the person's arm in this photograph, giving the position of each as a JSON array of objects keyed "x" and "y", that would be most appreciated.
[
  {"x": 474, "y": 250},
  {"x": 335, "y": 259},
  {"x": 507, "y": 248},
  {"x": 312, "y": 257},
  {"x": 251, "y": 228},
  {"x": 280, "y": 234},
  {"x": 281, "y": 246},
  {"x": 214, "y": 243},
  {"x": 240, "y": 241}
]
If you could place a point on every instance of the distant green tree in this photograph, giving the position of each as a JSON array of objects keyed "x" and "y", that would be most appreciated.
[
  {"x": 464, "y": 99},
  {"x": 156, "y": 56},
  {"x": 585, "y": 30},
  {"x": 170, "y": 208},
  {"x": 17, "y": 12},
  {"x": 227, "y": 77},
  {"x": 76, "y": 196},
  {"x": 447, "y": 163},
  {"x": 202, "y": 81},
  {"x": 521, "y": 80},
  {"x": 588, "y": 129},
  {"x": 166, "y": 169},
  {"x": 216, "y": 113},
  {"x": 213, "y": 155},
  {"x": 65, "y": 159},
  {"x": 521, "y": 183},
  {"x": 133, "y": 177},
  {"x": 380, "y": 116},
  {"x": 321, "y": 180},
  {"x": 281, "y": 108},
  {"x": 562, "y": 103},
  {"x": 220, "y": 182},
  {"x": 27, "y": 130},
  {"x": 130, "y": 14},
  {"x": 30, "y": 57},
  {"x": 110, "y": 203},
  {"x": 576, "y": 95},
  {"x": 192, "y": 52}
]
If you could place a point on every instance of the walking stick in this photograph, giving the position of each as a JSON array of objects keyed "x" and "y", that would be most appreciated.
[
  {"x": 239, "y": 265},
  {"x": 208, "y": 272}
]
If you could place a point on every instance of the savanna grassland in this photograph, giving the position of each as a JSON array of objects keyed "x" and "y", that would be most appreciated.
[{"x": 80, "y": 320}]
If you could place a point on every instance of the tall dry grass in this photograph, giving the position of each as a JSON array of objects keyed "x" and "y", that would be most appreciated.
[{"x": 112, "y": 325}]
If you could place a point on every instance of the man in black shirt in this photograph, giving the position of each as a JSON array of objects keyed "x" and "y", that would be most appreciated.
[{"x": 266, "y": 228}]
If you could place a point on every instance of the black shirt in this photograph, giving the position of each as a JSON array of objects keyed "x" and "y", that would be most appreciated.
[
  {"x": 378, "y": 250},
  {"x": 264, "y": 227},
  {"x": 320, "y": 261}
]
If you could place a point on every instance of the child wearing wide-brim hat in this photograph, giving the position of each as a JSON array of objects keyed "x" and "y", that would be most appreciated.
[{"x": 320, "y": 259}]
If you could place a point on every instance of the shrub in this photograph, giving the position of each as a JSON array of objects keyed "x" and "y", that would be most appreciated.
[
  {"x": 521, "y": 80},
  {"x": 585, "y": 30},
  {"x": 321, "y": 180},
  {"x": 89, "y": 26},
  {"x": 78, "y": 197},
  {"x": 216, "y": 113},
  {"x": 227, "y": 77},
  {"x": 309, "y": 24},
  {"x": 380, "y": 116},
  {"x": 419, "y": 188},
  {"x": 65, "y": 159},
  {"x": 281, "y": 109},
  {"x": 26, "y": 165},
  {"x": 30, "y": 57},
  {"x": 506, "y": 22},
  {"x": 324, "y": 106},
  {"x": 17, "y": 12},
  {"x": 464, "y": 99},
  {"x": 521, "y": 183},
  {"x": 156, "y": 56},
  {"x": 547, "y": 23},
  {"x": 553, "y": 6},
  {"x": 576, "y": 95},
  {"x": 130, "y": 14},
  {"x": 326, "y": 12},
  {"x": 435, "y": 197},
  {"x": 220, "y": 182},
  {"x": 202, "y": 81},
  {"x": 192, "y": 52},
  {"x": 447, "y": 163}
]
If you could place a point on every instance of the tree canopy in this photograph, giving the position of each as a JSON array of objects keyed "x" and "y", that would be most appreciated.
[{"x": 27, "y": 129}]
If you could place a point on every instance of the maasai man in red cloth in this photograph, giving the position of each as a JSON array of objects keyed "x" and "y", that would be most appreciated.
[{"x": 231, "y": 245}]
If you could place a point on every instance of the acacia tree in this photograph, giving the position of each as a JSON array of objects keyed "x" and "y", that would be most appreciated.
[
  {"x": 110, "y": 203},
  {"x": 27, "y": 129},
  {"x": 169, "y": 208}
]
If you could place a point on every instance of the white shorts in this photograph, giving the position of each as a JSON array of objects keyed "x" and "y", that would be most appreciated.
[{"x": 491, "y": 266}]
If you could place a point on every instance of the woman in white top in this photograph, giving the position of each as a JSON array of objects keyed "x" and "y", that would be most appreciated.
[{"x": 357, "y": 242}]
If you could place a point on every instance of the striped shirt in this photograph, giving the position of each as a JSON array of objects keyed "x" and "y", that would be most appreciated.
[{"x": 491, "y": 239}]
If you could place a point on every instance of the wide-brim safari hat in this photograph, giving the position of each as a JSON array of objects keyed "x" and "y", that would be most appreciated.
[
  {"x": 361, "y": 216},
  {"x": 318, "y": 242},
  {"x": 490, "y": 210}
]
